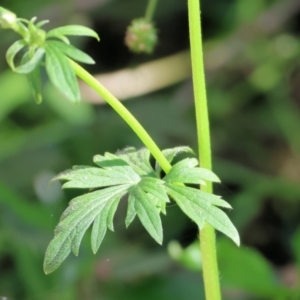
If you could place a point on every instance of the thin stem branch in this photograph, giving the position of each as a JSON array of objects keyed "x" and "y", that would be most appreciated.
[
  {"x": 207, "y": 234},
  {"x": 150, "y": 9},
  {"x": 124, "y": 113}
]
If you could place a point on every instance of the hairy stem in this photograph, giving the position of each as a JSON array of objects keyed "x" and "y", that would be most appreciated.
[
  {"x": 150, "y": 9},
  {"x": 124, "y": 113},
  {"x": 207, "y": 234}
]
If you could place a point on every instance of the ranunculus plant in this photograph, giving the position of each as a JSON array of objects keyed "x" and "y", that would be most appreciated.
[{"x": 148, "y": 188}]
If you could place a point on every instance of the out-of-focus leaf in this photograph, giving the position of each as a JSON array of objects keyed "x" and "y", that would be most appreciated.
[
  {"x": 296, "y": 247},
  {"x": 82, "y": 114},
  {"x": 246, "y": 269},
  {"x": 190, "y": 257},
  {"x": 12, "y": 97},
  {"x": 26, "y": 211}
]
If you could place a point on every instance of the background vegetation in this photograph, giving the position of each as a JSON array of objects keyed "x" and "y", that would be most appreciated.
[{"x": 252, "y": 54}]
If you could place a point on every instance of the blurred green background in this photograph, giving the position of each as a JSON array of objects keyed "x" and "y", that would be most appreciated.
[{"x": 252, "y": 57}]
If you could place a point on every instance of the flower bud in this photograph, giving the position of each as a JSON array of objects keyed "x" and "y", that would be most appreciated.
[
  {"x": 141, "y": 36},
  {"x": 7, "y": 18}
]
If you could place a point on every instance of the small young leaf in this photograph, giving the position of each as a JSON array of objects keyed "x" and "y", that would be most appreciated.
[
  {"x": 62, "y": 38},
  {"x": 61, "y": 73},
  {"x": 32, "y": 63},
  {"x": 12, "y": 52},
  {"x": 41, "y": 23},
  {"x": 72, "y": 52},
  {"x": 147, "y": 213},
  {"x": 73, "y": 30},
  {"x": 34, "y": 81},
  {"x": 186, "y": 172},
  {"x": 92, "y": 177},
  {"x": 196, "y": 204}
]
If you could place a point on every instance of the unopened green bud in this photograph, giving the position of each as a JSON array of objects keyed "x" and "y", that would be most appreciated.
[
  {"x": 7, "y": 18},
  {"x": 141, "y": 36}
]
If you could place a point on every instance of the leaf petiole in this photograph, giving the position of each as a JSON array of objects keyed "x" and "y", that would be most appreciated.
[{"x": 124, "y": 113}]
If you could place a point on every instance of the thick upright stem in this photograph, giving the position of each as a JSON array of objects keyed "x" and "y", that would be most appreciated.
[
  {"x": 124, "y": 113},
  {"x": 207, "y": 234}
]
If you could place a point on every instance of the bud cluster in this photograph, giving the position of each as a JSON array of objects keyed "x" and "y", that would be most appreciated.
[{"x": 141, "y": 36}]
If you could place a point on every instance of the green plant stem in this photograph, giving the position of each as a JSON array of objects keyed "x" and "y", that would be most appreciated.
[
  {"x": 124, "y": 113},
  {"x": 150, "y": 9},
  {"x": 207, "y": 234}
]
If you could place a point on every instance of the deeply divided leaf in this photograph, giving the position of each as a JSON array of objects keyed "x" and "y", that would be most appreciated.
[
  {"x": 199, "y": 206},
  {"x": 129, "y": 172},
  {"x": 81, "y": 212},
  {"x": 138, "y": 160},
  {"x": 147, "y": 213},
  {"x": 185, "y": 171}
]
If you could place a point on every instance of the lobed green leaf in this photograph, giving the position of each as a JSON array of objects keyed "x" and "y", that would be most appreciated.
[
  {"x": 185, "y": 171},
  {"x": 114, "y": 163},
  {"x": 199, "y": 206},
  {"x": 155, "y": 187},
  {"x": 147, "y": 213},
  {"x": 103, "y": 221},
  {"x": 139, "y": 160},
  {"x": 130, "y": 171},
  {"x": 81, "y": 212},
  {"x": 92, "y": 177}
]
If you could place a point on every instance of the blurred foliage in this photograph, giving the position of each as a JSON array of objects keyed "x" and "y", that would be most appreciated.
[{"x": 252, "y": 56}]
